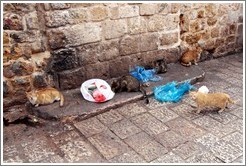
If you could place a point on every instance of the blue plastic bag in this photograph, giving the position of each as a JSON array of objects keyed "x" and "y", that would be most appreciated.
[
  {"x": 170, "y": 92},
  {"x": 143, "y": 75}
]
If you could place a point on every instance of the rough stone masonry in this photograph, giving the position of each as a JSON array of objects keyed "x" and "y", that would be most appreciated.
[{"x": 64, "y": 44}]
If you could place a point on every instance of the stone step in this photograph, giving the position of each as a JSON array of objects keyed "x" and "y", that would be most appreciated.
[{"x": 77, "y": 108}]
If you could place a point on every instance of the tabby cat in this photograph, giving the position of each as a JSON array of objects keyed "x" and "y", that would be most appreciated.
[
  {"x": 159, "y": 65},
  {"x": 128, "y": 84},
  {"x": 45, "y": 96}
]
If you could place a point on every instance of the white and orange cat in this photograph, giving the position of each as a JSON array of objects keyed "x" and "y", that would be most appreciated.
[
  {"x": 191, "y": 56},
  {"x": 45, "y": 96},
  {"x": 203, "y": 100}
]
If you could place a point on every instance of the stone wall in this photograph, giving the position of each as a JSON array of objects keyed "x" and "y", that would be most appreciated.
[{"x": 64, "y": 44}]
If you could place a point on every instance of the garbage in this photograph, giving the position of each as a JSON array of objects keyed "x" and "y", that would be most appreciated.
[
  {"x": 96, "y": 90},
  {"x": 203, "y": 89},
  {"x": 143, "y": 75},
  {"x": 171, "y": 92}
]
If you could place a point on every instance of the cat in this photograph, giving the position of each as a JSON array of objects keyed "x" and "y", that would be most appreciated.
[
  {"x": 128, "y": 83},
  {"x": 220, "y": 100},
  {"x": 159, "y": 65},
  {"x": 191, "y": 56},
  {"x": 45, "y": 96}
]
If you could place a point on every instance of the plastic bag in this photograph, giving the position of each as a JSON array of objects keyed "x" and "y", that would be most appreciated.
[
  {"x": 203, "y": 89},
  {"x": 143, "y": 75},
  {"x": 170, "y": 92},
  {"x": 96, "y": 90}
]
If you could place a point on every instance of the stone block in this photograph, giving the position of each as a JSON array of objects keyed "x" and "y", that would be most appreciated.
[
  {"x": 63, "y": 59},
  {"x": 12, "y": 53},
  {"x": 185, "y": 129},
  {"x": 97, "y": 70},
  {"x": 169, "y": 38},
  {"x": 240, "y": 30},
  {"x": 83, "y": 33},
  {"x": 108, "y": 144},
  {"x": 200, "y": 14},
  {"x": 124, "y": 128},
  {"x": 131, "y": 110},
  {"x": 98, "y": 13},
  {"x": 77, "y": 16},
  {"x": 110, "y": 117},
  {"x": 240, "y": 19},
  {"x": 184, "y": 23},
  {"x": 215, "y": 32},
  {"x": 18, "y": 68},
  {"x": 122, "y": 68},
  {"x": 175, "y": 7},
  {"x": 90, "y": 127},
  {"x": 32, "y": 20},
  {"x": 109, "y": 50},
  {"x": 163, "y": 114},
  {"x": 164, "y": 8},
  {"x": 130, "y": 45},
  {"x": 72, "y": 79},
  {"x": 210, "y": 10},
  {"x": 89, "y": 53},
  {"x": 128, "y": 11},
  {"x": 156, "y": 23},
  {"x": 114, "y": 12},
  {"x": 149, "y": 124},
  {"x": 148, "y": 42},
  {"x": 39, "y": 80},
  {"x": 56, "y": 18},
  {"x": 137, "y": 25},
  {"x": 169, "y": 158},
  {"x": 114, "y": 28},
  {"x": 57, "y": 39},
  {"x": 224, "y": 31},
  {"x": 192, "y": 38},
  {"x": 25, "y": 36},
  {"x": 25, "y": 7},
  {"x": 170, "y": 139},
  {"x": 6, "y": 38},
  {"x": 21, "y": 85},
  {"x": 185, "y": 7},
  {"x": 12, "y": 21},
  {"x": 197, "y": 25},
  {"x": 230, "y": 39},
  {"x": 211, "y": 21},
  {"x": 147, "y": 9},
  {"x": 232, "y": 28},
  {"x": 187, "y": 150},
  {"x": 128, "y": 157},
  {"x": 7, "y": 87},
  {"x": 59, "y": 6},
  {"x": 239, "y": 42},
  {"x": 8, "y": 7}
]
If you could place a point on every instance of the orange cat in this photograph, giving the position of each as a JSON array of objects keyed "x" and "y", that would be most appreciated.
[
  {"x": 203, "y": 100},
  {"x": 45, "y": 96},
  {"x": 191, "y": 56}
]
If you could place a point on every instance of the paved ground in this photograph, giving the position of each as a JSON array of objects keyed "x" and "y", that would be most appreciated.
[{"x": 154, "y": 133}]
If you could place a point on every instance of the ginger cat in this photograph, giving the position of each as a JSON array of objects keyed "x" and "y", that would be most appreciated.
[
  {"x": 218, "y": 99},
  {"x": 191, "y": 56},
  {"x": 45, "y": 96}
]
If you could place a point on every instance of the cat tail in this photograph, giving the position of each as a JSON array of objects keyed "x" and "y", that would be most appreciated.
[
  {"x": 185, "y": 64},
  {"x": 143, "y": 91},
  {"x": 231, "y": 101},
  {"x": 61, "y": 100}
]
